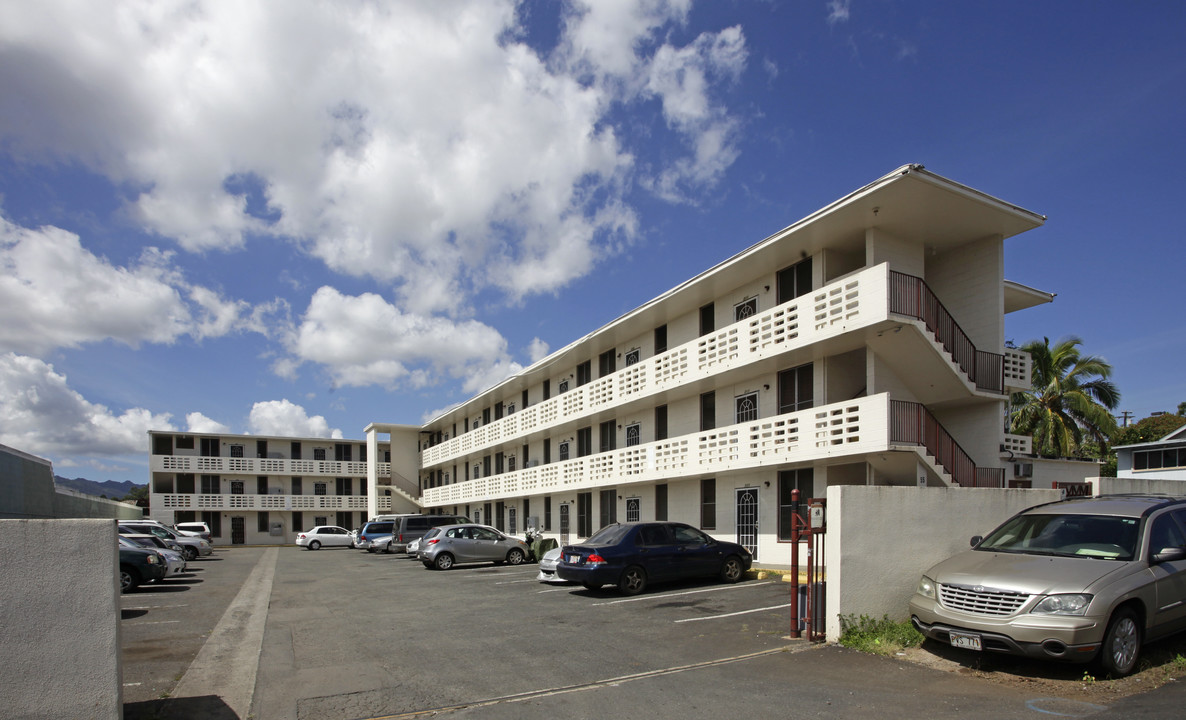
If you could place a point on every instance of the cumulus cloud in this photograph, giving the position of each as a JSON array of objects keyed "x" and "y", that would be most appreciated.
[
  {"x": 537, "y": 350},
  {"x": 196, "y": 422},
  {"x": 838, "y": 11},
  {"x": 281, "y": 417},
  {"x": 42, "y": 415},
  {"x": 422, "y": 144},
  {"x": 54, "y": 293}
]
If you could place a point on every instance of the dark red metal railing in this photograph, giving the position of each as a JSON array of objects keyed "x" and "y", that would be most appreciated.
[
  {"x": 911, "y": 296},
  {"x": 913, "y": 424}
]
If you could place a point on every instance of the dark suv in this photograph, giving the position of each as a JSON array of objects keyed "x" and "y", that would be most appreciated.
[{"x": 1076, "y": 580}]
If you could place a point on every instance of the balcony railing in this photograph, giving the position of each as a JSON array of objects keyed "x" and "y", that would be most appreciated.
[
  {"x": 913, "y": 424},
  {"x": 211, "y": 501},
  {"x": 199, "y": 464},
  {"x": 912, "y": 296}
]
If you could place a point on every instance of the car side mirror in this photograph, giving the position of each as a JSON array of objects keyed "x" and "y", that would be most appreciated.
[
  {"x": 1169, "y": 554},
  {"x": 975, "y": 540}
]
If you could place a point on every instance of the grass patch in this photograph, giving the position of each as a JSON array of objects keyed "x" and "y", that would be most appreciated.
[{"x": 879, "y": 637}]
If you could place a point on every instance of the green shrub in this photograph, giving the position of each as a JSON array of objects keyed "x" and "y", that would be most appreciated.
[{"x": 880, "y": 637}]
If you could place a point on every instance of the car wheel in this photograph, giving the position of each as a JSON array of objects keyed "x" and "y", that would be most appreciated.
[
  {"x": 371, "y": 550},
  {"x": 592, "y": 586},
  {"x": 731, "y": 570},
  {"x": 444, "y": 561},
  {"x": 128, "y": 579},
  {"x": 315, "y": 545},
  {"x": 191, "y": 553},
  {"x": 1122, "y": 644},
  {"x": 387, "y": 549},
  {"x": 516, "y": 556},
  {"x": 633, "y": 580}
]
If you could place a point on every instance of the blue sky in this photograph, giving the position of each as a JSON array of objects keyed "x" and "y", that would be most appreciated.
[{"x": 300, "y": 217}]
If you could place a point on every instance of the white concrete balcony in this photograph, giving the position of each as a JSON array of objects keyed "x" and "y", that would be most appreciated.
[
  {"x": 258, "y": 503},
  {"x": 1018, "y": 367},
  {"x": 838, "y": 430},
  {"x": 197, "y": 464},
  {"x": 1017, "y": 444}
]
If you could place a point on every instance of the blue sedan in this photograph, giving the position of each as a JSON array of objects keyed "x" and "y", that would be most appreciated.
[{"x": 632, "y": 555}]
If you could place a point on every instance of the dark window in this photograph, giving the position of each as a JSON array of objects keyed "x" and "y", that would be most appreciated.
[
  {"x": 485, "y": 416},
  {"x": 213, "y": 520},
  {"x": 319, "y": 489},
  {"x": 633, "y": 357},
  {"x": 296, "y": 486},
  {"x": 162, "y": 445},
  {"x": 261, "y": 448},
  {"x": 661, "y": 422},
  {"x": 523, "y": 400},
  {"x": 661, "y": 339},
  {"x": 295, "y": 451},
  {"x": 547, "y": 450},
  {"x": 261, "y": 522},
  {"x": 298, "y": 521},
  {"x": 342, "y": 453},
  {"x": 584, "y": 372},
  {"x": 708, "y": 411},
  {"x": 788, "y": 480},
  {"x": 499, "y": 464},
  {"x": 584, "y": 441},
  {"x": 345, "y": 520},
  {"x": 498, "y": 410},
  {"x": 745, "y": 309},
  {"x": 185, "y": 442},
  {"x": 485, "y": 466},
  {"x": 564, "y": 450},
  {"x": 185, "y": 483},
  {"x": 707, "y": 319},
  {"x": 708, "y": 504},
  {"x": 547, "y": 389},
  {"x": 794, "y": 281},
  {"x": 633, "y": 434},
  {"x": 609, "y": 507},
  {"x": 607, "y": 436},
  {"x": 209, "y": 447},
  {"x": 548, "y": 512},
  {"x": 606, "y": 363},
  {"x": 345, "y": 487},
  {"x": 319, "y": 453},
  {"x": 795, "y": 389},
  {"x": 261, "y": 485},
  {"x": 500, "y": 510},
  {"x": 584, "y": 514},
  {"x": 211, "y": 485},
  {"x": 746, "y": 407},
  {"x": 236, "y": 451},
  {"x": 236, "y": 487},
  {"x": 661, "y": 501}
]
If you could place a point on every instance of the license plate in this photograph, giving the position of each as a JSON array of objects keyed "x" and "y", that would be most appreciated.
[
  {"x": 574, "y": 559},
  {"x": 965, "y": 641}
]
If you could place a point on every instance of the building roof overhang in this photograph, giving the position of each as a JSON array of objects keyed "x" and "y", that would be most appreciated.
[{"x": 1020, "y": 297}]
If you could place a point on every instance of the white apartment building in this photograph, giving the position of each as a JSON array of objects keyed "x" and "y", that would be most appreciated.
[
  {"x": 253, "y": 490},
  {"x": 863, "y": 344}
]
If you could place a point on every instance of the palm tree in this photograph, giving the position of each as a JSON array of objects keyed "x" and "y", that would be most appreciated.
[{"x": 1070, "y": 399}]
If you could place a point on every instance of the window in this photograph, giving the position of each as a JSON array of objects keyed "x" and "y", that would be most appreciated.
[
  {"x": 185, "y": 483},
  {"x": 319, "y": 489},
  {"x": 584, "y": 514},
  {"x": 745, "y": 309},
  {"x": 342, "y": 452},
  {"x": 633, "y": 506},
  {"x": 499, "y": 463},
  {"x": 707, "y": 319},
  {"x": 708, "y": 504},
  {"x": 511, "y": 466},
  {"x": 209, "y": 447},
  {"x": 523, "y": 401},
  {"x": 295, "y": 451},
  {"x": 563, "y": 451},
  {"x": 236, "y": 451},
  {"x": 547, "y": 390},
  {"x": 661, "y": 339},
  {"x": 162, "y": 445},
  {"x": 498, "y": 410},
  {"x": 236, "y": 487},
  {"x": 261, "y": 448},
  {"x": 345, "y": 486},
  {"x": 184, "y": 442},
  {"x": 318, "y": 453},
  {"x": 548, "y": 512},
  {"x": 486, "y": 466},
  {"x": 547, "y": 450},
  {"x": 584, "y": 441},
  {"x": 211, "y": 485},
  {"x": 607, "y": 435},
  {"x": 213, "y": 521},
  {"x": 802, "y": 480},
  {"x": 261, "y": 485},
  {"x": 606, "y": 363},
  {"x": 633, "y": 434},
  {"x": 298, "y": 521},
  {"x": 296, "y": 486},
  {"x": 661, "y": 501},
  {"x": 564, "y": 385},
  {"x": 795, "y": 389},
  {"x": 661, "y": 422},
  {"x": 512, "y": 526},
  {"x": 747, "y": 407},
  {"x": 708, "y": 411},
  {"x": 633, "y": 357},
  {"x": 794, "y": 281},
  {"x": 320, "y": 520},
  {"x": 608, "y": 507},
  {"x": 500, "y": 510},
  {"x": 261, "y": 523},
  {"x": 584, "y": 372},
  {"x": 345, "y": 520}
]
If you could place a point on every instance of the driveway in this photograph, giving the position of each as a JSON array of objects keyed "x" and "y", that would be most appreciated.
[{"x": 348, "y": 634}]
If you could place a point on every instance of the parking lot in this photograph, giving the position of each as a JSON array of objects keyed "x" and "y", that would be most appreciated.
[{"x": 349, "y": 634}]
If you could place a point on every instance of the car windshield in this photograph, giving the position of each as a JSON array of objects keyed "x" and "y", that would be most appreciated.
[
  {"x": 608, "y": 535},
  {"x": 1096, "y": 536}
]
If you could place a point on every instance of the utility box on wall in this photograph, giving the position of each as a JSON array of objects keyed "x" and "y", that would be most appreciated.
[{"x": 276, "y": 529}]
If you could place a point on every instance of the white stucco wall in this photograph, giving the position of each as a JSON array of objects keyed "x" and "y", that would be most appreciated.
[
  {"x": 59, "y": 619},
  {"x": 881, "y": 539}
]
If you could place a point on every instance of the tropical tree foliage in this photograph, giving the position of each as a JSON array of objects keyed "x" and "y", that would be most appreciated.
[{"x": 1070, "y": 401}]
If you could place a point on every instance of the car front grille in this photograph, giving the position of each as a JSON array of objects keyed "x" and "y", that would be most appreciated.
[{"x": 981, "y": 601}]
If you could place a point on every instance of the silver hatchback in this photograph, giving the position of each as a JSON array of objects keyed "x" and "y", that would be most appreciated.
[
  {"x": 453, "y": 544},
  {"x": 1077, "y": 580}
]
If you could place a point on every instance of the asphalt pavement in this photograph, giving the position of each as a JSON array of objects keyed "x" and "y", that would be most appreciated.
[{"x": 285, "y": 633}]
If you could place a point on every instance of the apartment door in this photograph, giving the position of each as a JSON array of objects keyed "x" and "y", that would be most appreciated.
[
  {"x": 747, "y": 520},
  {"x": 238, "y": 530}
]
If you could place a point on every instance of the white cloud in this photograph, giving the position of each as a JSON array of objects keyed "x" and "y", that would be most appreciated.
[
  {"x": 281, "y": 417},
  {"x": 420, "y": 144},
  {"x": 538, "y": 350},
  {"x": 364, "y": 340},
  {"x": 42, "y": 415},
  {"x": 54, "y": 293},
  {"x": 838, "y": 11},
  {"x": 196, "y": 422}
]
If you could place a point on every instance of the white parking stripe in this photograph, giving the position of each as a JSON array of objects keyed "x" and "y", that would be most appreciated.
[
  {"x": 686, "y": 592},
  {"x": 153, "y": 607},
  {"x": 155, "y": 622},
  {"x": 739, "y": 612}
]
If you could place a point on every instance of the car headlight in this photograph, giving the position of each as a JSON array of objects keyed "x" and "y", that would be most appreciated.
[
  {"x": 1070, "y": 604},
  {"x": 152, "y": 559},
  {"x": 204, "y": 543},
  {"x": 926, "y": 587}
]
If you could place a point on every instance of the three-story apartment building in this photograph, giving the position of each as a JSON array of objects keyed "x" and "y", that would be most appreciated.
[
  {"x": 863, "y": 344},
  {"x": 252, "y": 489}
]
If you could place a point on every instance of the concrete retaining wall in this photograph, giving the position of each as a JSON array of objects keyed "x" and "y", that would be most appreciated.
[
  {"x": 59, "y": 619},
  {"x": 1109, "y": 486},
  {"x": 27, "y": 490},
  {"x": 880, "y": 540}
]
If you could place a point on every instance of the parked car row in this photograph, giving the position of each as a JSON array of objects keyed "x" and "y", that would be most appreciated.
[{"x": 150, "y": 551}]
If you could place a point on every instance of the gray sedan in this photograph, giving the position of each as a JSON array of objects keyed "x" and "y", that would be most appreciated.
[{"x": 470, "y": 544}]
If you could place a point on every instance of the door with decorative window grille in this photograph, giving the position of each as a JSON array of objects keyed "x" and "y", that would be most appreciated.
[
  {"x": 564, "y": 524},
  {"x": 238, "y": 530},
  {"x": 747, "y": 520}
]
